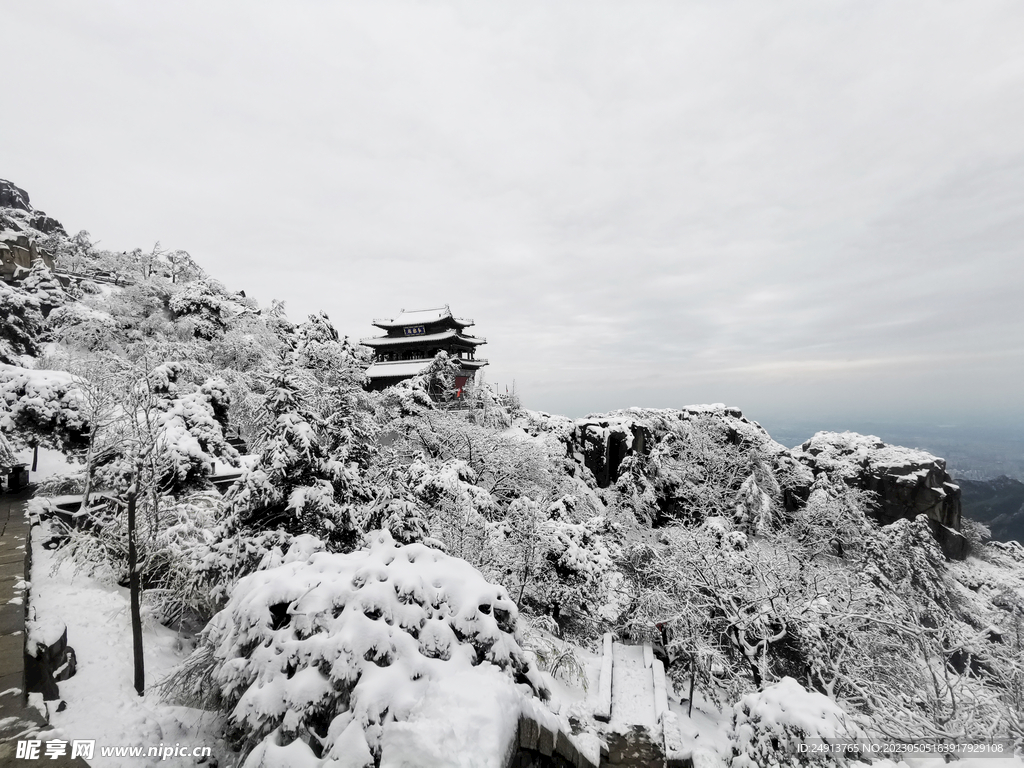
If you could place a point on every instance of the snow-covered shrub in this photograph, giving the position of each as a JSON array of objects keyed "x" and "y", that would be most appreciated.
[
  {"x": 407, "y": 398},
  {"x": 400, "y": 514},
  {"x": 41, "y": 405},
  {"x": 505, "y": 463},
  {"x": 704, "y": 463},
  {"x": 834, "y": 519},
  {"x": 551, "y": 563},
  {"x": 174, "y": 585},
  {"x": 333, "y": 358},
  {"x": 754, "y": 510},
  {"x": 635, "y": 489},
  {"x": 905, "y": 559},
  {"x": 7, "y": 457},
  {"x": 224, "y": 553},
  {"x": 81, "y": 327},
  {"x": 768, "y": 726},
  {"x": 976, "y": 534},
  {"x": 205, "y": 304},
  {"x": 554, "y": 655},
  {"x": 336, "y": 649},
  {"x": 439, "y": 376},
  {"x": 57, "y": 485},
  {"x": 191, "y": 434},
  {"x": 580, "y": 556}
]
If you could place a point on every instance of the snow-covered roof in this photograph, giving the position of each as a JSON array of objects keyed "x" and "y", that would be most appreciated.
[
  {"x": 384, "y": 341},
  {"x": 422, "y": 317},
  {"x": 397, "y": 369}
]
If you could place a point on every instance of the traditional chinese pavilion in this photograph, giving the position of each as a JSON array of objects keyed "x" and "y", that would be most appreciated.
[{"x": 413, "y": 339}]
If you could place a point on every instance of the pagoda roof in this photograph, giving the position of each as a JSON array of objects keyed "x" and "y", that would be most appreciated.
[
  {"x": 400, "y": 369},
  {"x": 423, "y": 317},
  {"x": 388, "y": 341}
]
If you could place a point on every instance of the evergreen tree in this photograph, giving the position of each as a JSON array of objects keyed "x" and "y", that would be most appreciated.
[
  {"x": 44, "y": 286},
  {"x": 21, "y": 322},
  {"x": 297, "y": 486}
]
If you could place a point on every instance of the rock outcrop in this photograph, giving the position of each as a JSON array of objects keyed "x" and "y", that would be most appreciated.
[
  {"x": 907, "y": 482},
  {"x": 17, "y": 252},
  {"x": 20, "y": 228},
  {"x": 15, "y": 197},
  {"x": 602, "y": 441}
]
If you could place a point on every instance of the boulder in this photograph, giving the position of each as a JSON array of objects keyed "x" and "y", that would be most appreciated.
[{"x": 48, "y": 658}]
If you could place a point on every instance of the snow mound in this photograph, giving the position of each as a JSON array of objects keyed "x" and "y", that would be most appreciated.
[
  {"x": 380, "y": 648},
  {"x": 43, "y": 400},
  {"x": 768, "y": 725}
]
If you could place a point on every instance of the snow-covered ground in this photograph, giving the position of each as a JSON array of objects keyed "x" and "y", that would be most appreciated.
[
  {"x": 101, "y": 700},
  {"x": 50, "y": 463}
]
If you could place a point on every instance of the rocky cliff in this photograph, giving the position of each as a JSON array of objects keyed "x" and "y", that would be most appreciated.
[
  {"x": 906, "y": 482},
  {"x": 675, "y": 450},
  {"x": 17, "y": 213}
]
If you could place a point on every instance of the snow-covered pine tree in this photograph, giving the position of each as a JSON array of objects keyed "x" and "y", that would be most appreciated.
[
  {"x": 21, "y": 322},
  {"x": 440, "y": 376},
  {"x": 296, "y": 486},
  {"x": 44, "y": 286},
  {"x": 191, "y": 429},
  {"x": 346, "y": 407}
]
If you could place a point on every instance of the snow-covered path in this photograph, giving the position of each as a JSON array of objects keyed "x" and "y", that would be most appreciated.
[
  {"x": 632, "y": 689},
  {"x": 101, "y": 701}
]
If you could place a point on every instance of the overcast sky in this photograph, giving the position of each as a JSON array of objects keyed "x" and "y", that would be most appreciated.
[{"x": 805, "y": 209}]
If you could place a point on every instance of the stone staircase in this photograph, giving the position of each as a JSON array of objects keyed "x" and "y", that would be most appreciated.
[{"x": 632, "y": 699}]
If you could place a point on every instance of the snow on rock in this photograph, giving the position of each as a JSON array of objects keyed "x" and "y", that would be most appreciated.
[
  {"x": 844, "y": 451},
  {"x": 402, "y": 641},
  {"x": 603, "y": 442},
  {"x": 768, "y": 725},
  {"x": 44, "y": 633}
]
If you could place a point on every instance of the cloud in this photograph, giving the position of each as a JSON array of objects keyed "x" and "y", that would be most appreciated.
[{"x": 637, "y": 204}]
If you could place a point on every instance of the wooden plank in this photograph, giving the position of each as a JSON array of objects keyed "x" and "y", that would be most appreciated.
[
  {"x": 648, "y": 655},
  {"x": 603, "y": 710}
]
